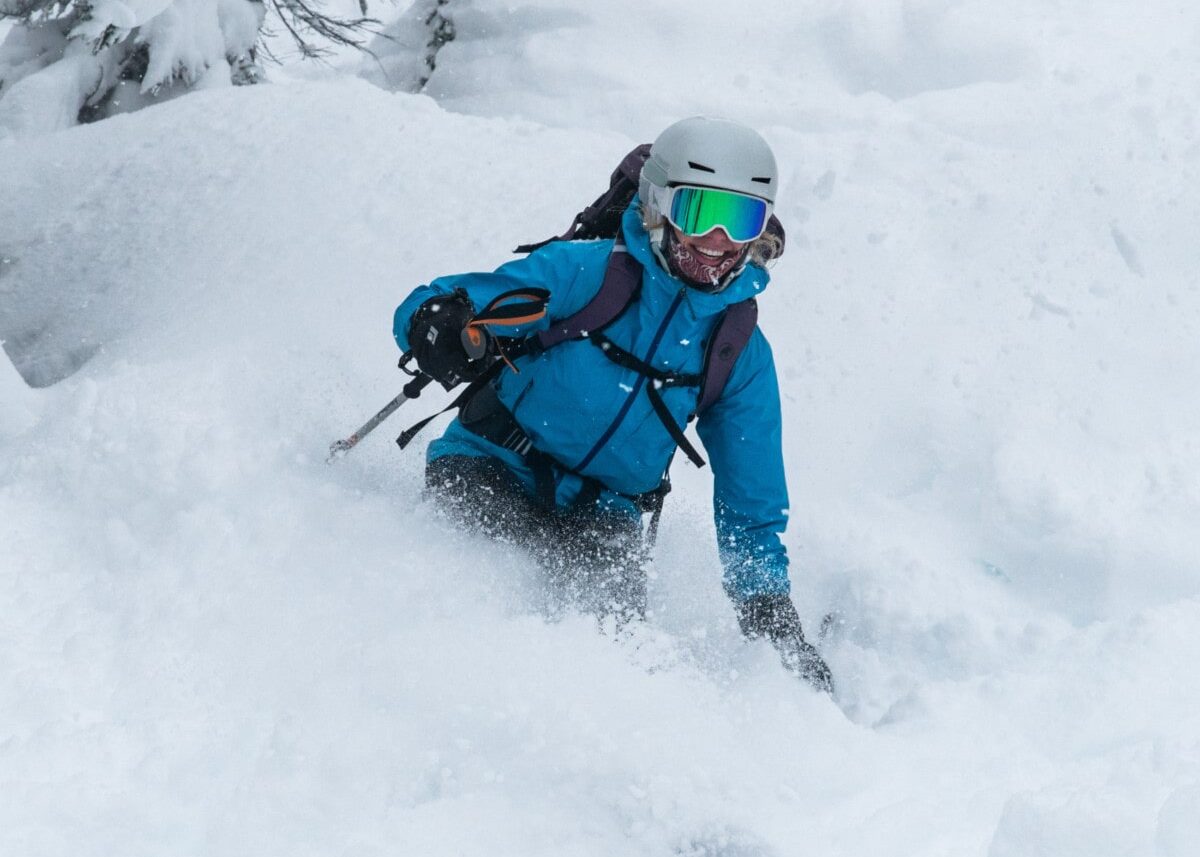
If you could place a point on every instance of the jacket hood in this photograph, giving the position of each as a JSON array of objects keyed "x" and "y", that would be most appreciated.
[{"x": 749, "y": 283}]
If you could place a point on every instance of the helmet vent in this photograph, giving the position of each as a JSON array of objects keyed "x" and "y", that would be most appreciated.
[
  {"x": 762, "y": 179},
  {"x": 701, "y": 167}
]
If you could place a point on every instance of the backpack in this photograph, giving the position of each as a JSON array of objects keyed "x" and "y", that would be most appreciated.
[{"x": 602, "y": 219}]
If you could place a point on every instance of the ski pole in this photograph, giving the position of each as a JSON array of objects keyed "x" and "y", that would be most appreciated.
[
  {"x": 411, "y": 390},
  {"x": 510, "y": 308}
]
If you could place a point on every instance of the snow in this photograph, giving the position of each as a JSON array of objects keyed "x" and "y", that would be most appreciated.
[{"x": 985, "y": 328}]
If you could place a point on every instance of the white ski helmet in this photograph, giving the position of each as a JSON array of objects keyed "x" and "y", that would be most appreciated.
[{"x": 714, "y": 153}]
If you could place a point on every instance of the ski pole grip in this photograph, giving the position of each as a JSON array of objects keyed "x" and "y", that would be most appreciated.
[{"x": 414, "y": 387}]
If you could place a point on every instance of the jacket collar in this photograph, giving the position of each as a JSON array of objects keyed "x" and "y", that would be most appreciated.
[{"x": 749, "y": 283}]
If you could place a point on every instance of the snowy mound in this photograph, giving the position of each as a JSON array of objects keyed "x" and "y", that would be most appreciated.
[{"x": 985, "y": 328}]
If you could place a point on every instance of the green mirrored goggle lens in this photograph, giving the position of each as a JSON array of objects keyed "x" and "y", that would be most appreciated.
[{"x": 700, "y": 210}]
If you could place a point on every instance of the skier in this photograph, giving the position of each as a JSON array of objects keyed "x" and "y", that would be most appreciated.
[{"x": 565, "y": 448}]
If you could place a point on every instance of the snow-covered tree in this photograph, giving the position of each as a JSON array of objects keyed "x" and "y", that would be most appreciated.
[
  {"x": 405, "y": 54},
  {"x": 69, "y": 61}
]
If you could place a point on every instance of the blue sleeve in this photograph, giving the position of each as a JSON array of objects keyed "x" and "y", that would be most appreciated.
[
  {"x": 557, "y": 268},
  {"x": 742, "y": 434}
]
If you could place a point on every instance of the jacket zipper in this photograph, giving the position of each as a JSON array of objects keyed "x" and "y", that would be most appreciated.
[{"x": 637, "y": 386}]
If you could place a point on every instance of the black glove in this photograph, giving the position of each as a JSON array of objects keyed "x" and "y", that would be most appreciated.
[
  {"x": 775, "y": 617},
  {"x": 441, "y": 343}
]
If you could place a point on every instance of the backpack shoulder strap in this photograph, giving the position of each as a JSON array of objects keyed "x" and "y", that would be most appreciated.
[
  {"x": 620, "y": 287},
  {"x": 733, "y": 331}
]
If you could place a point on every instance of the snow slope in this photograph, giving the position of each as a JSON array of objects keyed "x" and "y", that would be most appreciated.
[{"x": 986, "y": 327}]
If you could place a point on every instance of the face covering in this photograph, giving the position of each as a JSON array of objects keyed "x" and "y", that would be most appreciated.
[{"x": 695, "y": 269}]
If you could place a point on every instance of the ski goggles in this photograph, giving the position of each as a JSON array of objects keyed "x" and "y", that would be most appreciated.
[{"x": 696, "y": 211}]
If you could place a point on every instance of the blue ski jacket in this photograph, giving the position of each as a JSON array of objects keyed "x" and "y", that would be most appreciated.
[{"x": 593, "y": 415}]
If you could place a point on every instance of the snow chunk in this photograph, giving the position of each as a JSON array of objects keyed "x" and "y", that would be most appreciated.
[{"x": 19, "y": 402}]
